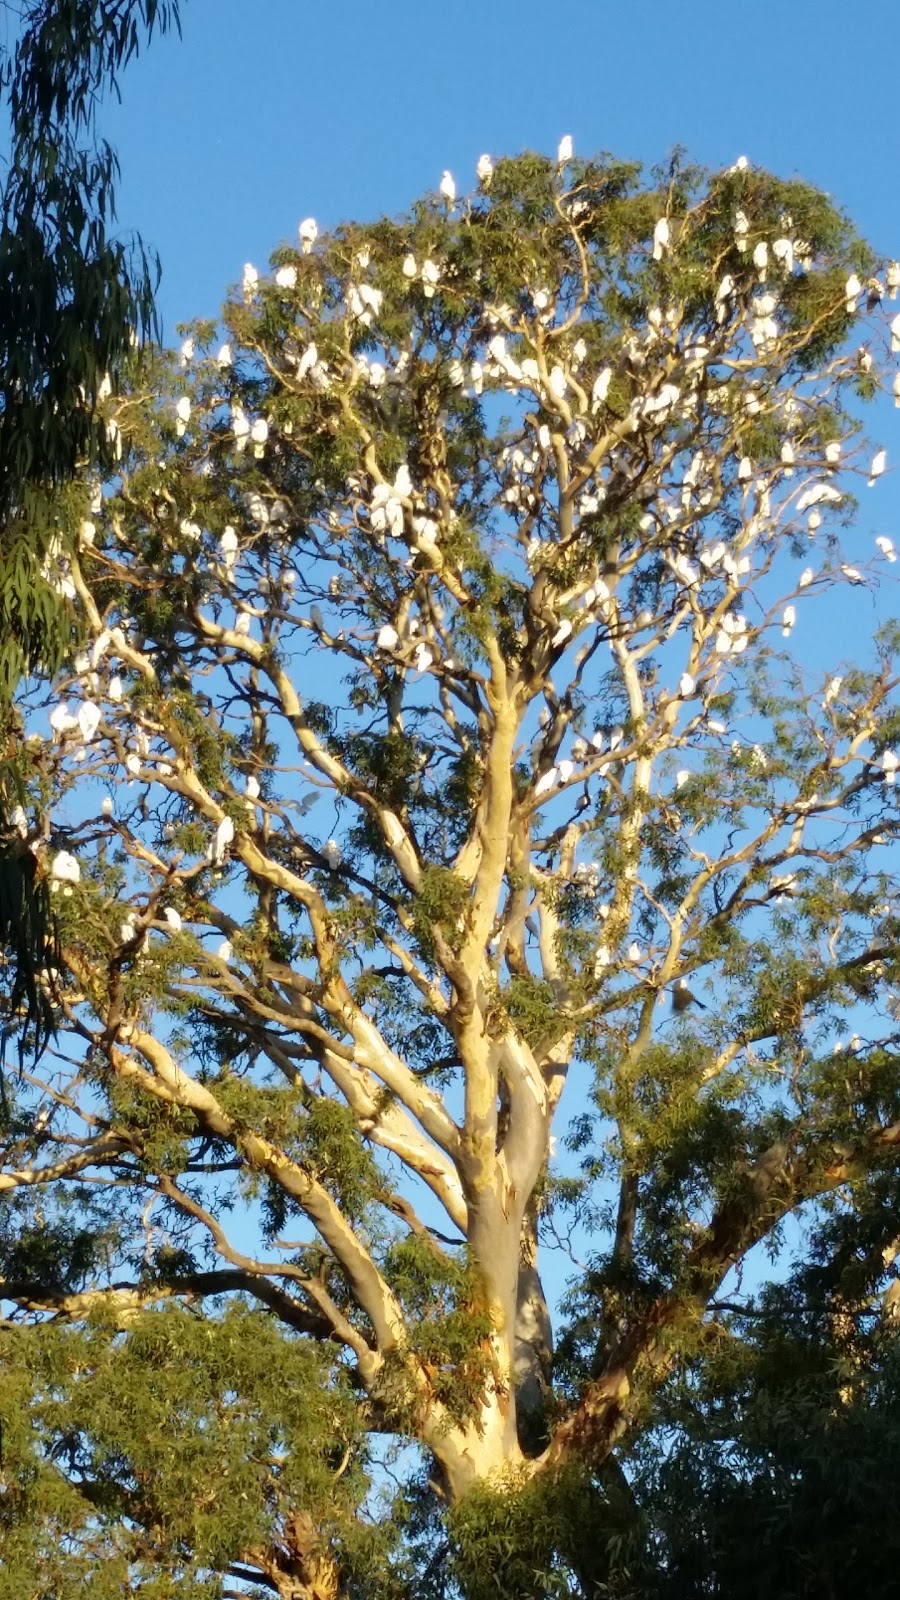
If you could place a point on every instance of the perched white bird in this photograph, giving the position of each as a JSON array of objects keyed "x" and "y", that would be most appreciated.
[
  {"x": 251, "y": 788},
  {"x": 242, "y": 622},
  {"x": 250, "y": 280},
  {"x": 484, "y": 170},
  {"x": 447, "y": 187},
  {"x": 788, "y": 620},
  {"x": 431, "y": 276},
  {"x": 388, "y": 638},
  {"x": 601, "y": 388},
  {"x": 806, "y": 578},
  {"x": 286, "y": 277},
  {"x": 546, "y": 782},
  {"x": 332, "y": 853},
  {"x": 62, "y": 721},
  {"x": 895, "y": 335},
  {"x": 228, "y": 544},
  {"x": 660, "y": 238},
  {"x": 409, "y": 268},
  {"x": 886, "y": 546},
  {"x": 890, "y": 761},
  {"x": 170, "y": 915},
  {"x": 852, "y": 290},
  {"x": 106, "y": 805},
  {"x": 681, "y": 778},
  {"x": 223, "y": 838},
  {"x": 224, "y": 357},
  {"x": 115, "y": 691},
  {"x": 187, "y": 352},
  {"x": 852, "y": 573},
  {"x": 686, "y": 685},
  {"x": 761, "y": 259},
  {"x": 833, "y": 452},
  {"x": 128, "y": 929},
  {"x": 89, "y": 716},
  {"x": 183, "y": 409},
  {"x": 224, "y": 951},
  {"x": 309, "y": 233},
  {"x": 65, "y": 868},
  {"x": 423, "y": 657},
  {"x": 879, "y": 462},
  {"x": 634, "y": 951},
  {"x": 565, "y": 150}
]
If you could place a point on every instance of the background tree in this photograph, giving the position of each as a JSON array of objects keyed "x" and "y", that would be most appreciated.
[
  {"x": 437, "y": 673},
  {"x": 75, "y": 297}
]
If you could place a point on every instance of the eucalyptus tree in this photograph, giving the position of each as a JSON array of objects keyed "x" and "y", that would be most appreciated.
[{"x": 439, "y": 718}]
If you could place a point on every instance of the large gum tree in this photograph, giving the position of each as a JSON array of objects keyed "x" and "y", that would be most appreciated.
[{"x": 440, "y": 738}]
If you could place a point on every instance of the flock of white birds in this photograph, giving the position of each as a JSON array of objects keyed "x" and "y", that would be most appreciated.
[{"x": 395, "y": 506}]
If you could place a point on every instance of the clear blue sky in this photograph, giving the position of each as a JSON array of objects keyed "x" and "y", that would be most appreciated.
[{"x": 271, "y": 110}]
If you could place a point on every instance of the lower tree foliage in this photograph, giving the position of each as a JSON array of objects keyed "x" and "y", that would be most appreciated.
[{"x": 467, "y": 1156}]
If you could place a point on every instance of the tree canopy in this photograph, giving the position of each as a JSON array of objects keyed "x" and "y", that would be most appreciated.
[{"x": 457, "y": 872}]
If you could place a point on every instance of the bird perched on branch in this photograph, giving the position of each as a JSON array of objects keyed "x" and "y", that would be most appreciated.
[{"x": 683, "y": 998}]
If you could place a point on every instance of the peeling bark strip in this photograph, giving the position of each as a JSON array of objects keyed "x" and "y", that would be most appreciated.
[{"x": 366, "y": 1080}]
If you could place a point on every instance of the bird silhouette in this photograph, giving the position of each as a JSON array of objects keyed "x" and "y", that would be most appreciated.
[{"x": 683, "y": 998}]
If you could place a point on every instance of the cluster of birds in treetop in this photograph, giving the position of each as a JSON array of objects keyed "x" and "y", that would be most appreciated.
[{"x": 395, "y": 510}]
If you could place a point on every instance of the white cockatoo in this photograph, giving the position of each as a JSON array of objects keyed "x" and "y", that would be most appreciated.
[
  {"x": 332, "y": 853},
  {"x": 852, "y": 290},
  {"x": 65, "y": 868},
  {"x": 309, "y": 233},
  {"x": 89, "y": 716},
  {"x": 565, "y": 150},
  {"x": 484, "y": 171},
  {"x": 448, "y": 187},
  {"x": 223, "y": 837}
]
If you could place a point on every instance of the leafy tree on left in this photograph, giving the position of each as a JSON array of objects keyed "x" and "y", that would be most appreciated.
[{"x": 74, "y": 299}]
